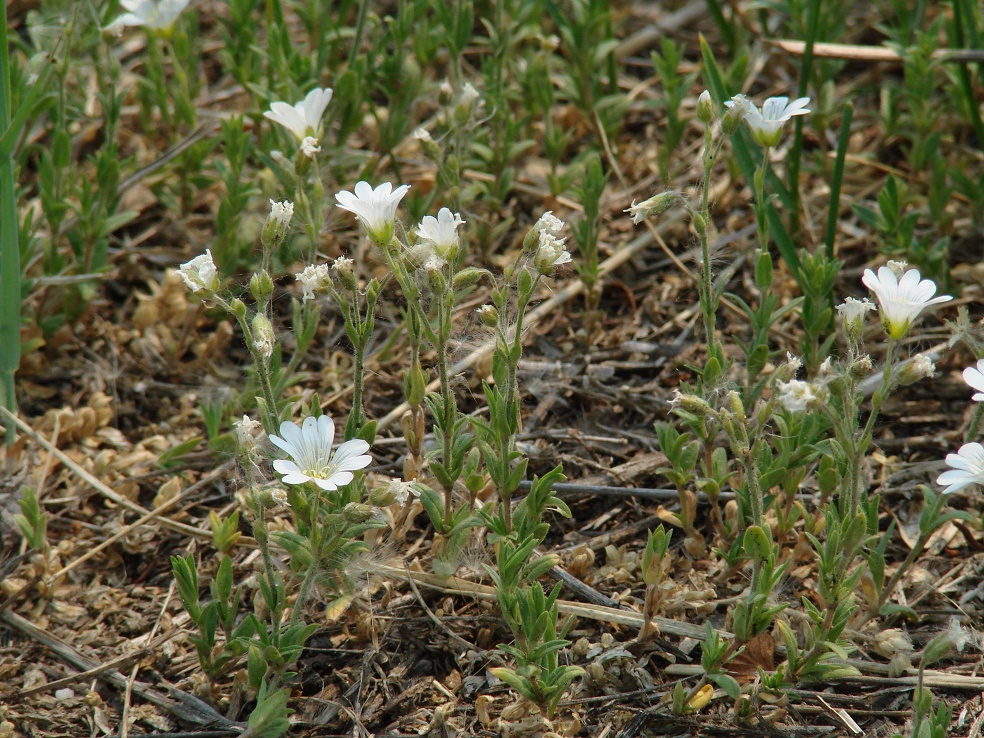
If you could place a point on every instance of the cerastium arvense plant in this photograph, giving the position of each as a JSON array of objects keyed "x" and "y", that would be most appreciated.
[{"x": 780, "y": 430}]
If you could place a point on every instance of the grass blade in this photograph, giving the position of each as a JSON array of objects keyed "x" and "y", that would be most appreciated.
[
  {"x": 833, "y": 209},
  {"x": 10, "y": 268},
  {"x": 796, "y": 151}
]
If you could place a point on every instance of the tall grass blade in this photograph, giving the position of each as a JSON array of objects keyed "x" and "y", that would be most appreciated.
[
  {"x": 10, "y": 268},
  {"x": 796, "y": 151},
  {"x": 833, "y": 211}
]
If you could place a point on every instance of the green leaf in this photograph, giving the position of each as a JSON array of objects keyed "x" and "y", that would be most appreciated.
[{"x": 728, "y": 683}]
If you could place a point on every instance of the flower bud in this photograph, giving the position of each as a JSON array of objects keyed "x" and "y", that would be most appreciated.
[
  {"x": 357, "y": 512},
  {"x": 238, "y": 308},
  {"x": 488, "y": 316},
  {"x": 467, "y": 277},
  {"x": 757, "y": 544},
  {"x": 427, "y": 143},
  {"x": 445, "y": 92},
  {"x": 434, "y": 267},
  {"x": 261, "y": 285},
  {"x": 705, "y": 108}
]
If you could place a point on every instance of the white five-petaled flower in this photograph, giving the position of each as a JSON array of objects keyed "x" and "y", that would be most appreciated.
[
  {"x": 376, "y": 208},
  {"x": 314, "y": 280},
  {"x": 967, "y": 468},
  {"x": 795, "y": 395},
  {"x": 312, "y": 460},
  {"x": 200, "y": 273},
  {"x": 304, "y": 118},
  {"x": 766, "y": 124},
  {"x": 901, "y": 300},
  {"x": 974, "y": 376},
  {"x": 281, "y": 212},
  {"x": 550, "y": 254},
  {"x": 154, "y": 14},
  {"x": 441, "y": 232}
]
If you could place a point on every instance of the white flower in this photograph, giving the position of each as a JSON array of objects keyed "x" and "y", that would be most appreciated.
[
  {"x": 827, "y": 367},
  {"x": 309, "y": 446},
  {"x": 280, "y": 497},
  {"x": 441, "y": 232},
  {"x": 376, "y": 208},
  {"x": 901, "y": 300},
  {"x": 435, "y": 263},
  {"x": 304, "y": 118},
  {"x": 766, "y": 124},
  {"x": 200, "y": 273},
  {"x": 154, "y": 14},
  {"x": 796, "y": 395},
  {"x": 550, "y": 254},
  {"x": 974, "y": 376},
  {"x": 309, "y": 146},
  {"x": 314, "y": 281},
  {"x": 422, "y": 134},
  {"x": 967, "y": 468}
]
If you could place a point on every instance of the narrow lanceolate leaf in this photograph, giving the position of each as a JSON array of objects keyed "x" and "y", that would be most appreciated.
[{"x": 10, "y": 269}]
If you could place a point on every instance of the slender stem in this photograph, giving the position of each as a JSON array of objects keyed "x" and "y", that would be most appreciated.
[
  {"x": 911, "y": 558},
  {"x": 708, "y": 306}
]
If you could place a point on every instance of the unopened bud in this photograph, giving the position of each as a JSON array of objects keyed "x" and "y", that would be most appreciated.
[
  {"x": 277, "y": 223},
  {"x": 488, "y": 316},
  {"x": 654, "y": 206},
  {"x": 427, "y": 144},
  {"x": 705, "y": 107},
  {"x": 691, "y": 403},
  {"x": 261, "y": 285},
  {"x": 345, "y": 269}
]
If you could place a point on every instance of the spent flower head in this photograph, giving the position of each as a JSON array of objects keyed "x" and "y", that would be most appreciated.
[
  {"x": 853, "y": 313},
  {"x": 653, "y": 207},
  {"x": 796, "y": 395},
  {"x": 309, "y": 146},
  {"x": 967, "y": 468},
  {"x": 901, "y": 300},
  {"x": 311, "y": 456},
  {"x": 304, "y": 118},
  {"x": 315, "y": 280},
  {"x": 157, "y": 15},
  {"x": 200, "y": 274},
  {"x": 918, "y": 367},
  {"x": 766, "y": 124},
  {"x": 550, "y": 254},
  {"x": 441, "y": 232},
  {"x": 376, "y": 208},
  {"x": 974, "y": 376}
]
